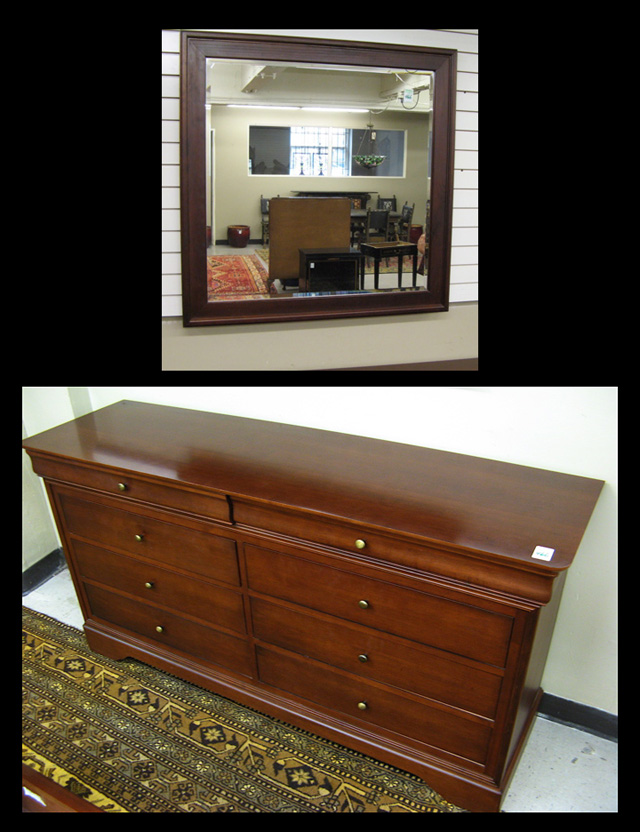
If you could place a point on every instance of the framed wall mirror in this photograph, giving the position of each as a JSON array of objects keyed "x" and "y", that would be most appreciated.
[{"x": 348, "y": 128}]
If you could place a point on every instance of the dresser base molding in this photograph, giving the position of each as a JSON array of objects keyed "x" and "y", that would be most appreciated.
[{"x": 476, "y": 793}]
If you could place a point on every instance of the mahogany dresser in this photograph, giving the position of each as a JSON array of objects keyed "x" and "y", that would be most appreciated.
[{"x": 394, "y": 599}]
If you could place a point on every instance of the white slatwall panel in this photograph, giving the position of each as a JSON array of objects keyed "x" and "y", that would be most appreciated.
[
  {"x": 464, "y": 243},
  {"x": 171, "y": 280},
  {"x": 464, "y": 251}
]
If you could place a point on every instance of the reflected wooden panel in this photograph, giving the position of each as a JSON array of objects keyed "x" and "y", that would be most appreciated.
[{"x": 301, "y": 222}]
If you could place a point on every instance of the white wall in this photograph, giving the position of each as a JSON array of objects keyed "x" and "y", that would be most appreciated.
[
  {"x": 42, "y": 408},
  {"x": 569, "y": 429},
  {"x": 397, "y": 339}
]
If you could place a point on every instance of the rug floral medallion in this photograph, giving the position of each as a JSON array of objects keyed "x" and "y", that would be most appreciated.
[{"x": 129, "y": 738}]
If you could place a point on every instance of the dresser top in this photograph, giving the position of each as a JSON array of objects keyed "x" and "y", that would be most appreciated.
[{"x": 477, "y": 504}]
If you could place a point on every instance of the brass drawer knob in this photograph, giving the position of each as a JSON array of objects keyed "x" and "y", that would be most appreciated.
[
  {"x": 360, "y": 544},
  {"x": 159, "y": 629},
  {"x": 363, "y": 604},
  {"x": 363, "y": 658},
  {"x": 148, "y": 585},
  {"x": 139, "y": 538},
  {"x": 362, "y": 706},
  {"x": 122, "y": 486}
]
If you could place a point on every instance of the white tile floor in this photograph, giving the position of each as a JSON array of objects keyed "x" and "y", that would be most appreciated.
[{"x": 562, "y": 769}]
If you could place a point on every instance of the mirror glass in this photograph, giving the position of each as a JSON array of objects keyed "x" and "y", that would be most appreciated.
[
  {"x": 298, "y": 144},
  {"x": 303, "y": 133},
  {"x": 320, "y": 150}
]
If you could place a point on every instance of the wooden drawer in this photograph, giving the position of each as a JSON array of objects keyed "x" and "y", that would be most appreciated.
[
  {"x": 314, "y": 529},
  {"x": 196, "y": 639},
  {"x": 214, "y": 604},
  {"x": 425, "y": 618},
  {"x": 467, "y": 737},
  {"x": 183, "y": 498},
  {"x": 395, "y": 549},
  {"x": 367, "y": 653},
  {"x": 196, "y": 551}
]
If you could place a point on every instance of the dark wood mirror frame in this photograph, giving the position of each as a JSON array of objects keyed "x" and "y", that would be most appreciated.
[{"x": 196, "y": 47}]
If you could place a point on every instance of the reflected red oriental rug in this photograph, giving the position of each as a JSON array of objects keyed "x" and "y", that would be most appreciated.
[{"x": 237, "y": 277}]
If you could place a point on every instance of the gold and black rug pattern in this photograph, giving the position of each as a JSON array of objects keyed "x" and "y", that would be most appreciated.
[{"x": 129, "y": 738}]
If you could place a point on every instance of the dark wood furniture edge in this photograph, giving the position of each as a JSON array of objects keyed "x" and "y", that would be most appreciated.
[
  {"x": 458, "y": 364},
  {"x": 56, "y": 798}
]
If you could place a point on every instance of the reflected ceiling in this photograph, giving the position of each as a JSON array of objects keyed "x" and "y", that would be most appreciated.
[{"x": 303, "y": 85}]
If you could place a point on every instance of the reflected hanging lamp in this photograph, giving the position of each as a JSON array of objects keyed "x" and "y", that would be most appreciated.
[{"x": 369, "y": 159}]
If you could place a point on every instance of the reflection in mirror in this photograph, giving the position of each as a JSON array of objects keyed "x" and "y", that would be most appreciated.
[
  {"x": 321, "y": 150},
  {"x": 345, "y": 155},
  {"x": 288, "y": 216}
]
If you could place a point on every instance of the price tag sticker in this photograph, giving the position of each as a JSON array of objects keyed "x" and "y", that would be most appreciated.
[{"x": 543, "y": 553}]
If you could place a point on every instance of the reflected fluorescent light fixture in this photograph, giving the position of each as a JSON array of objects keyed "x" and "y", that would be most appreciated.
[
  {"x": 333, "y": 110},
  {"x": 310, "y": 109},
  {"x": 260, "y": 107}
]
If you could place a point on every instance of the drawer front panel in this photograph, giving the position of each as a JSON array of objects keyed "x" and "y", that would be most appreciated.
[
  {"x": 395, "y": 549},
  {"x": 195, "y": 639},
  {"x": 315, "y": 530},
  {"x": 384, "y": 708},
  {"x": 199, "y": 552},
  {"x": 404, "y": 612},
  {"x": 221, "y": 607},
  {"x": 366, "y": 653},
  {"x": 213, "y": 506},
  {"x": 318, "y": 530}
]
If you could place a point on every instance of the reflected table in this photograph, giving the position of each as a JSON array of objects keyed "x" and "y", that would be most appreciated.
[{"x": 393, "y": 249}]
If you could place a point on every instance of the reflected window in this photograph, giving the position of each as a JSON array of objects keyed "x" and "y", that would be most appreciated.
[{"x": 321, "y": 151}]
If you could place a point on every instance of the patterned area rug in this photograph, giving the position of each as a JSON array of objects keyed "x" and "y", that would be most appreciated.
[
  {"x": 236, "y": 277},
  {"x": 129, "y": 738}
]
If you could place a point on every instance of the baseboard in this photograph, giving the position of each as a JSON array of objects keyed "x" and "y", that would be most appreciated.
[
  {"x": 584, "y": 717},
  {"x": 46, "y": 568}
]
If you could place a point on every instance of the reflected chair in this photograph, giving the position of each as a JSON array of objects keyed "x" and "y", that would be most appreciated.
[
  {"x": 264, "y": 210},
  {"x": 387, "y": 203},
  {"x": 403, "y": 228},
  {"x": 357, "y": 223},
  {"x": 423, "y": 261},
  {"x": 377, "y": 229}
]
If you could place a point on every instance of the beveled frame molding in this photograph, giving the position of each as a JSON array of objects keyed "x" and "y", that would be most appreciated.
[{"x": 196, "y": 47}]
